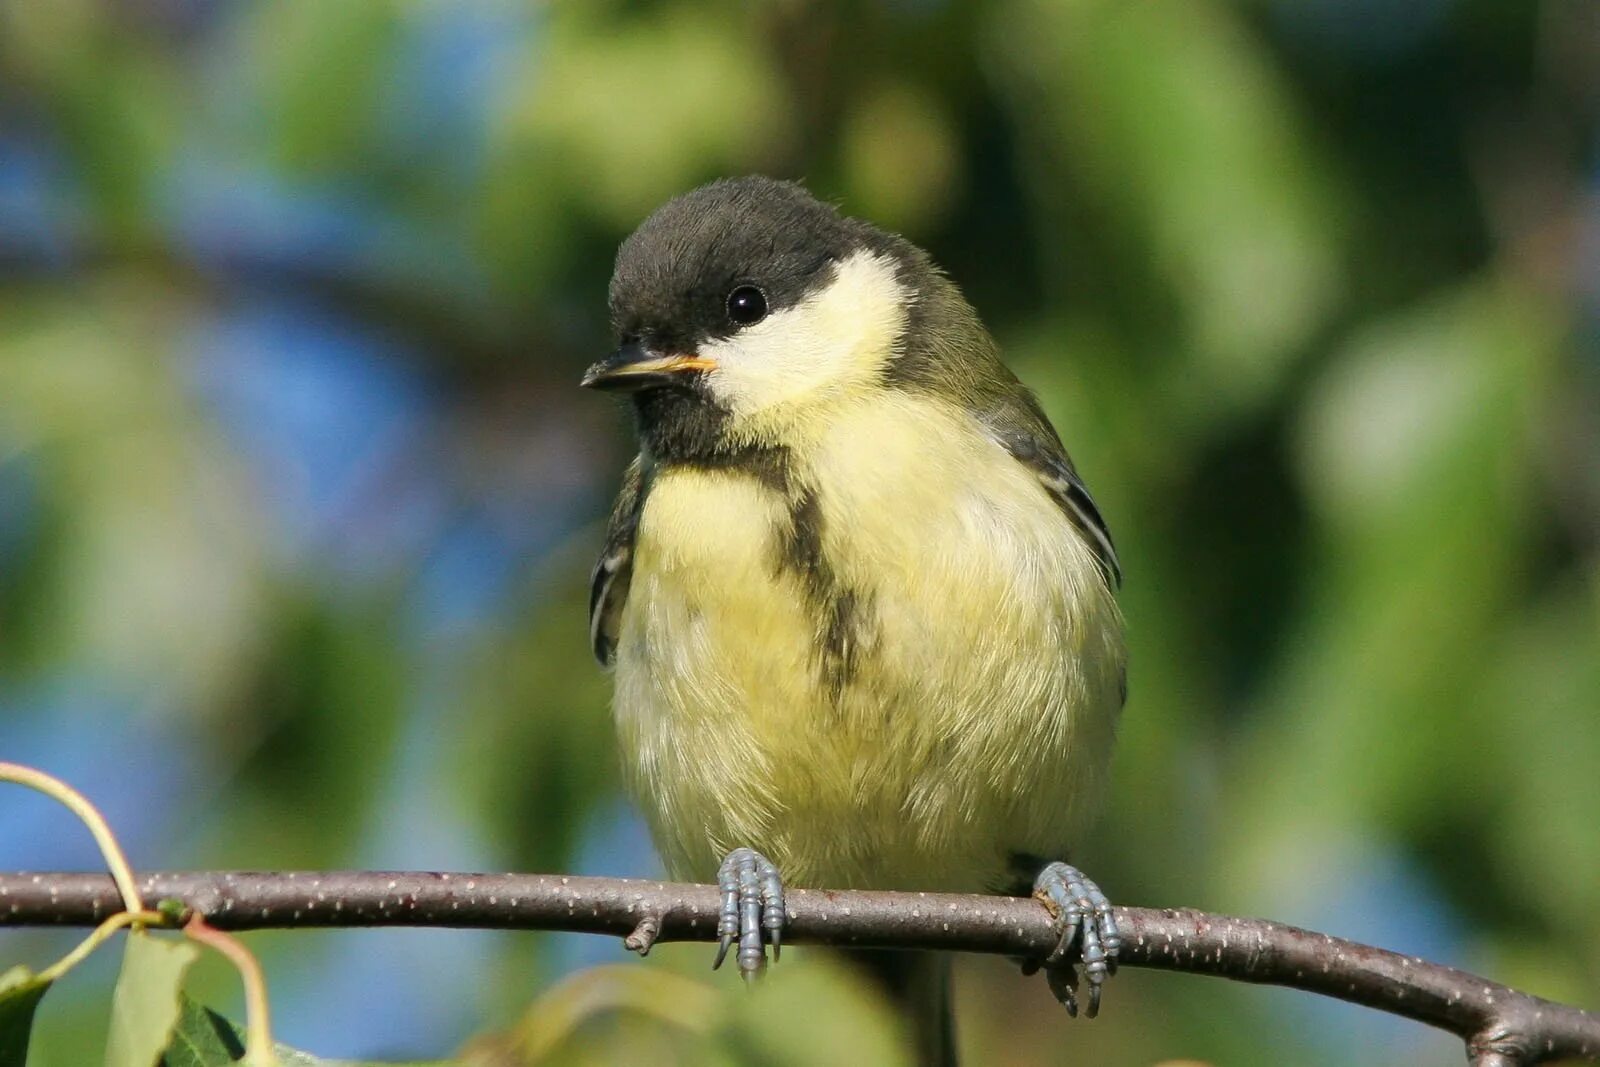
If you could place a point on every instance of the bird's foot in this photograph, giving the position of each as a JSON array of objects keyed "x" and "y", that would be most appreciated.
[
  {"x": 752, "y": 902},
  {"x": 1083, "y": 916}
]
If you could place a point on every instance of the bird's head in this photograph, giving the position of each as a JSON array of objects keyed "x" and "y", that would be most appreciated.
[{"x": 747, "y": 306}]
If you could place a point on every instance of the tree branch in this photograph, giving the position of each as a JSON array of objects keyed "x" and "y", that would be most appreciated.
[{"x": 1500, "y": 1025}]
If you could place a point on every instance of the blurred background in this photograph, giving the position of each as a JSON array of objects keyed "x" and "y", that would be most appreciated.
[{"x": 298, "y": 494}]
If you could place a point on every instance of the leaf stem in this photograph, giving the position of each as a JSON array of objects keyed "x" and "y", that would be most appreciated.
[
  {"x": 97, "y": 938},
  {"x": 90, "y": 816},
  {"x": 258, "y": 1051}
]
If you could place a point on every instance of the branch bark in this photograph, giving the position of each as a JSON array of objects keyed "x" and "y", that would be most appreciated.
[{"x": 1500, "y": 1025}]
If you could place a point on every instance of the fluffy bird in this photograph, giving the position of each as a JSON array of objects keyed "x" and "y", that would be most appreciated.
[{"x": 859, "y": 603}]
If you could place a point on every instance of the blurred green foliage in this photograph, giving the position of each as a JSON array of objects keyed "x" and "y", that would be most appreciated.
[{"x": 1309, "y": 289}]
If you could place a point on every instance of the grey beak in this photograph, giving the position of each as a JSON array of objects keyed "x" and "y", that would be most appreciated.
[{"x": 633, "y": 366}]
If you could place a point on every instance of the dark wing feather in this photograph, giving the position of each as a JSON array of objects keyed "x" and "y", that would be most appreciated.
[
  {"x": 608, "y": 585},
  {"x": 1021, "y": 427}
]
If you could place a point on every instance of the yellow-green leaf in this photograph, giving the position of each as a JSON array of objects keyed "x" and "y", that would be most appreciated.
[{"x": 144, "y": 1007}]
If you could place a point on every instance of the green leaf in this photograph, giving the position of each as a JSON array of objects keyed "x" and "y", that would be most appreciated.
[
  {"x": 20, "y": 993},
  {"x": 203, "y": 1038},
  {"x": 145, "y": 1005}
]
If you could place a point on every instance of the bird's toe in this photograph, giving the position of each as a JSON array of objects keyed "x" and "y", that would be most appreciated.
[
  {"x": 752, "y": 907},
  {"x": 1084, "y": 920}
]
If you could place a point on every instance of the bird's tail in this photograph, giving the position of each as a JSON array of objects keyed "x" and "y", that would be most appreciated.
[{"x": 918, "y": 985}]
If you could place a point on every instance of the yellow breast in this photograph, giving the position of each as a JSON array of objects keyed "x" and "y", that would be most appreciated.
[{"x": 978, "y": 718}]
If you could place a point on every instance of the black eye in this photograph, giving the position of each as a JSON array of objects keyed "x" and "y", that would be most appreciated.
[{"x": 747, "y": 305}]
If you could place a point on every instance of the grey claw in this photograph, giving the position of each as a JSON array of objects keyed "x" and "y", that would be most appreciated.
[
  {"x": 752, "y": 902},
  {"x": 1084, "y": 917},
  {"x": 728, "y": 917},
  {"x": 1063, "y": 982},
  {"x": 773, "y": 915}
]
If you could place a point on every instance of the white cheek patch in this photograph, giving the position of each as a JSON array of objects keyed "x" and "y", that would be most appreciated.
[{"x": 831, "y": 343}]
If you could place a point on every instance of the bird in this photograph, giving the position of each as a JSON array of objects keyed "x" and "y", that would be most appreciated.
[{"x": 858, "y": 604}]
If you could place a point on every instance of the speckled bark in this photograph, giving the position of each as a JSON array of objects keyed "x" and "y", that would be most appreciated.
[{"x": 1499, "y": 1025}]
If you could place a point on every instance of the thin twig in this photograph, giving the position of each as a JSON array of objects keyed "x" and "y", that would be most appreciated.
[{"x": 1500, "y": 1025}]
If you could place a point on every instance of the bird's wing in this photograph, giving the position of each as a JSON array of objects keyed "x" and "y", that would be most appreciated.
[
  {"x": 608, "y": 585},
  {"x": 1022, "y": 428}
]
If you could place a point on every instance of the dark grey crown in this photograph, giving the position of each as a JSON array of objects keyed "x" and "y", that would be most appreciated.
[{"x": 675, "y": 272}]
